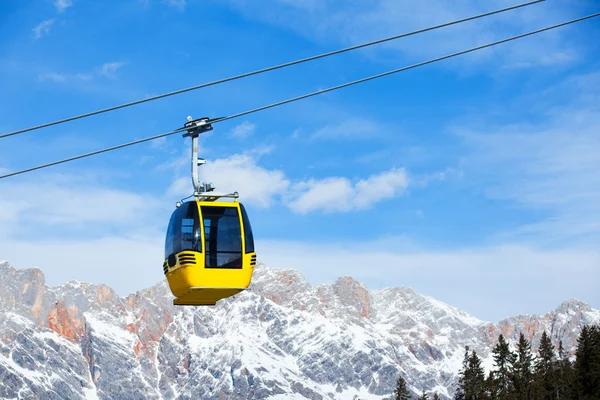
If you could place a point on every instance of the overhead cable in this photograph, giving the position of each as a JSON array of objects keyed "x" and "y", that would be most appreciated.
[
  {"x": 279, "y": 103},
  {"x": 260, "y": 71}
]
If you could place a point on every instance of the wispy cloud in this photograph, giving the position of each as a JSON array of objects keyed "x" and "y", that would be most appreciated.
[
  {"x": 58, "y": 77},
  {"x": 263, "y": 187},
  {"x": 159, "y": 143},
  {"x": 360, "y": 129},
  {"x": 42, "y": 29},
  {"x": 339, "y": 194},
  {"x": 555, "y": 59},
  {"x": 179, "y": 4},
  {"x": 62, "y": 5},
  {"x": 110, "y": 69},
  {"x": 359, "y": 21},
  {"x": 240, "y": 172},
  {"x": 106, "y": 70},
  {"x": 243, "y": 130},
  {"x": 107, "y": 266},
  {"x": 425, "y": 179},
  {"x": 69, "y": 204},
  {"x": 81, "y": 218},
  {"x": 551, "y": 168}
]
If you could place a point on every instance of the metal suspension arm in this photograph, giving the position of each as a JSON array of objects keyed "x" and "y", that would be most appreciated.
[
  {"x": 194, "y": 129},
  {"x": 202, "y": 191}
]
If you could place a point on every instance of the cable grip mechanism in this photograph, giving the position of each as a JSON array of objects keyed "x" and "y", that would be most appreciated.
[{"x": 196, "y": 127}]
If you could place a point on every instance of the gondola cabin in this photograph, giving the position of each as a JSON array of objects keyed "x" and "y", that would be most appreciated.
[{"x": 209, "y": 251}]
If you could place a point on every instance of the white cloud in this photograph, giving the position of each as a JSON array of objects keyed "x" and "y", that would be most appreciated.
[
  {"x": 110, "y": 69},
  {"x": 296, "y": 133},
  {"x": 62, "y": 5},
  {"x": 125, "y": 263},
  {"x": 350, "y": 129},
  {"x": 339, "y": 195},
  {"x": 239, "y": 173},
  {"x": 179, "y": 4},
  {"x": 557, "y": 58},
  {"x": 159, "y": 143},
  {"x": 180, "y": 187},
  {"x": 54, "y": 77},
  {"x": 106, "y": 70},
  {"x": 262, "y": 187},
  {"x": 328, "y": 195},
  {"x": 73, "y": 204},
  {"x": 42, "y": 29},
  {"x": 425, "y": 179},
  {"x": 551, "y": 168},
  {"x": 243, "y": 130},
  {"x": 350, "y": 23},
  {"x": 110, "y": 235},
  {"x": 57, "y": 77}
]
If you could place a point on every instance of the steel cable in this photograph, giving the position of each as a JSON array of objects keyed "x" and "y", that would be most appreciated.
[
  {"x": 260, "y": 71},
  {"x": 279, "y": 103}
]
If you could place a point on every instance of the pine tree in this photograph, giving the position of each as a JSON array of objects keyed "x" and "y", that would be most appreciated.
[
  {"x": 587, "y": 363},
  {"x": 503, "y": 360},
  {"x": 436, "y": 396},
  {"x": 401, "y": 392},
  {"x": 522, "y": 371},
  {"x": 545, "y": 370},
  {"x": 477, "y": 378},
  {"x": 490, "y": 386},
  {"x": 566, "y": 376},
  {"x": 472, "y": 378},
  {"x": 460, "y": 391},
  {"x": 423, "y": 396},
  {"x": 459, "y": 394}
]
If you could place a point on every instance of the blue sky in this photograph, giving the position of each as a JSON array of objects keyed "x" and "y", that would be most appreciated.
[{"x": 473, "y": 180}]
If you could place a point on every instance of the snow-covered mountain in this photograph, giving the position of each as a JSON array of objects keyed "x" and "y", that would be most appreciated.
[{"x": 283, "y": 339}]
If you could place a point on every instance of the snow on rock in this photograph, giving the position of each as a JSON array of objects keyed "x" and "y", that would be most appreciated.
[{"x": 283, "y": 338}]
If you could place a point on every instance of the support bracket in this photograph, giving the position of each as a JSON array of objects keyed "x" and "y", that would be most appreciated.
[
  {"x": 204, "y": 191},
  {"x": 196, "y": 127}
]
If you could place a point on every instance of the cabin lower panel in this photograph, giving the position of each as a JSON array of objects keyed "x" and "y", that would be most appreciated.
[
  {"x": 189, "y": 272},
  {"x": 204, "y": 296}
]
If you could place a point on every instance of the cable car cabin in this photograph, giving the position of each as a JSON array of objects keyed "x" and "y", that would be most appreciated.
[{"x": 209, "y": 252}]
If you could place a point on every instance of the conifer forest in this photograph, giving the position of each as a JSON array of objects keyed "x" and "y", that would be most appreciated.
[{"x": 522, "y": 374}]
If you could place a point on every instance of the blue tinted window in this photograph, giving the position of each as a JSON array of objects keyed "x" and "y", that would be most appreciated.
[
  {"x": 248, "y": 237},
  {"x": 222, "y": 237},
  {"x": 183, "y": 232}
]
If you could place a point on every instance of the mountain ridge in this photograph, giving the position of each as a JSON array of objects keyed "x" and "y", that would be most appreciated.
[{"x": 328, "y": 341}]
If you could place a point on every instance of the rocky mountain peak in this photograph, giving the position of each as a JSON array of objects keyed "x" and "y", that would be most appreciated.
[
  {"x": 573, "y": 305},
  {"x": 354, "y": 296},
  {"x": 281, "y": 337}
]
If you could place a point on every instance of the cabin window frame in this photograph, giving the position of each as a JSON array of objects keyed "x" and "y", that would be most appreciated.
[
  {"x": 248, "y": 235},
  {"x": 213, "y": 250},
  {"x": 176, "y": 236}
]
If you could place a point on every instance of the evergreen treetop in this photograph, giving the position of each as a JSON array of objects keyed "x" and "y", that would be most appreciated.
[
  {"x": 546, "y": 369},
  {"x": 471, "y": 378},
  {"x": 504, "y": 359},
  {"x": 587, "y": 363},
  {"x": 401, "y": 392},
  {"x": 522, "y": 371}
]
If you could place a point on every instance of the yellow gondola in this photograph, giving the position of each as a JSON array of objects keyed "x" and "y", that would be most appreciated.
[{"x": 209, "y": 247}]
